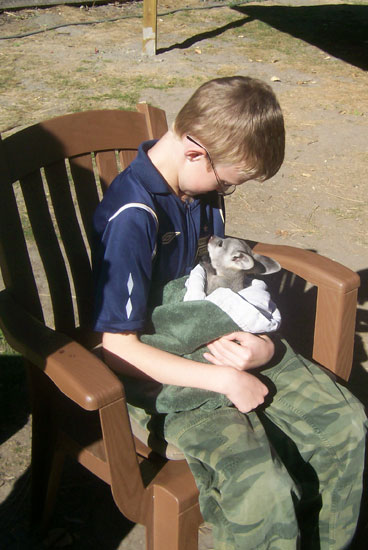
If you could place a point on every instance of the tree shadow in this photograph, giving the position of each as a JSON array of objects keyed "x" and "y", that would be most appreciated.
[
  {"x": 339, "y": 30},
  {"x": 204, "y": 36}
]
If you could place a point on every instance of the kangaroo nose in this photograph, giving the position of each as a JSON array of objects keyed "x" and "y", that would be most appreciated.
[{"x": 214, "y": 238}]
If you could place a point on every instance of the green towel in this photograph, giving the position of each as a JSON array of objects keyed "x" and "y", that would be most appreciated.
[{"x": 181, "y": 328}]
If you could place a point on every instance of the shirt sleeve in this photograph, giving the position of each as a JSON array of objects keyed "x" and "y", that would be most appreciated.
[{"x": 123, "y": 269}]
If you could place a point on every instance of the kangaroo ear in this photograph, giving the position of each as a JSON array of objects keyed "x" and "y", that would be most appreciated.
[
  {"x": 243, "y": 261},
  {"x": 265, "y": 265}
]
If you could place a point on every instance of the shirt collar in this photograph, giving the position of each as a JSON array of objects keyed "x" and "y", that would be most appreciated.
[
  {"x": 147, "y": 173},
  {"x": 151, "y": 179}
]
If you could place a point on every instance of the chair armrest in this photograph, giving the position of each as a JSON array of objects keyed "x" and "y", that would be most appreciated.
[
  {"x": 314, "y": 268},
  {"x": 79, "y": 374},
  {"x": 336, "y": 303}
]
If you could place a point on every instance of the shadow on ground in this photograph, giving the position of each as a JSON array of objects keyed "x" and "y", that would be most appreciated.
[
  {"x": 85, "y": 517},
  {"x": 14, "y": 403},
  {"x": 339, "y": 30}
]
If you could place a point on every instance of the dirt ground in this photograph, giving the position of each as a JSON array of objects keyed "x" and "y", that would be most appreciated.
[{"x": 313, "y": 53}]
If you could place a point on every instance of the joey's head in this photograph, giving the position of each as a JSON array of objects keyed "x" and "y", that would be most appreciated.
[
  {"x": 229, "y": 255},
  {"x": 234, "y": 255}
]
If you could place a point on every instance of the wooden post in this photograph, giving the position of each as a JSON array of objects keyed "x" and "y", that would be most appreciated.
[{"x": 149, "y": 27}]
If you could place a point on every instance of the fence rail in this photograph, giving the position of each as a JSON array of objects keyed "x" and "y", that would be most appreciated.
[
  {"x": 149, "y": 16},
  {"x": 18, "y": 4}
]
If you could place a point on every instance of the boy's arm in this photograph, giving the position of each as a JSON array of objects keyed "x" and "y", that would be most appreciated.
[{"x": 131, "y": 356}]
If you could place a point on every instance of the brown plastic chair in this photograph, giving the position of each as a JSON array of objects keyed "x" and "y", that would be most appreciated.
[{"x": 52, "y": 176}]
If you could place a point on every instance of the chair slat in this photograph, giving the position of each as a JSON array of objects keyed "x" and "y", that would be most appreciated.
[
  {"x": 126, "y": 158},
  {"x": 107, "y": 168},
  {"x": 86, "y": 190},
  {"x": 70, "y": 232},
  {"x": 155, "y": 118},
  {"x": 49, "y": 250},
  {"x": 16, "y": 266},
  {"x": 17, "y": 269}
]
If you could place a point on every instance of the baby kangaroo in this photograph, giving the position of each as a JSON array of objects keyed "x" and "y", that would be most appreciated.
[{"x": 230, "y": 261}]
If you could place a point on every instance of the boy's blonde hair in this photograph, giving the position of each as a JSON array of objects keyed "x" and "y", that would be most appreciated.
[{"x": 239, "y": 120}]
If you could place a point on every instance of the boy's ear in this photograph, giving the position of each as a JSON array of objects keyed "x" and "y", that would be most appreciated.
[
  {"x": 193, "y": 156},
  {"x": 191, "y": 151},
  {"x": 265, "y": 265}
]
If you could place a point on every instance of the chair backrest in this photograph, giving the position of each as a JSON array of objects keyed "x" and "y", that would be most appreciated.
[{"x": 52, "y": 176}]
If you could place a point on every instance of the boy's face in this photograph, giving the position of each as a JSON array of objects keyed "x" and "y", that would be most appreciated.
[{"x": 197, "y": 176}]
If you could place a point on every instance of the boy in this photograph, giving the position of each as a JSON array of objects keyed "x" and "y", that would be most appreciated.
[{"x": 255, "y": 471}]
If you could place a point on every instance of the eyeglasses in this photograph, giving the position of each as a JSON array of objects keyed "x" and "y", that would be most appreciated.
[{"x": 223, "y": 187}]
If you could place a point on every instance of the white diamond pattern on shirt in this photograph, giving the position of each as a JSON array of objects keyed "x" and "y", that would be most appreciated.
[
  {"x": 130, "y": 286},
  {"x": 129, "y": 308}
]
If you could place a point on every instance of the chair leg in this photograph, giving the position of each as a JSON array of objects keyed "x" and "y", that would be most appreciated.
[
  {"x": 43, "y": 457},
  {"x": 46, "y": 464},
  {"x": 52, "y": 488},
  {"x": 169, "y": 528}
]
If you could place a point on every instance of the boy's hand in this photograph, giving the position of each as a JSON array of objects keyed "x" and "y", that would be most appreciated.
[
  {"x": 241, "y": 350},
  {"x": 246, "y": 391}
]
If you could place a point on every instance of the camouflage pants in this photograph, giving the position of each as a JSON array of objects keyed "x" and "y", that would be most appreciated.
[{"x": 285, "y": 477}]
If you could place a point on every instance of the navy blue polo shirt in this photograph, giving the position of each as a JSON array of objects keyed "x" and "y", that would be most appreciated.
[{"x": 145, "y": 234}]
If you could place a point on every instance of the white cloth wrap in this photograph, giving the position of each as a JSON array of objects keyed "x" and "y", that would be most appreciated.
[{"x": 252, "y": 309}]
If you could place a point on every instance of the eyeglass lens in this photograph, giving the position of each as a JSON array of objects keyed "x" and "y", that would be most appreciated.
[{"x": 224, "y": 188}]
